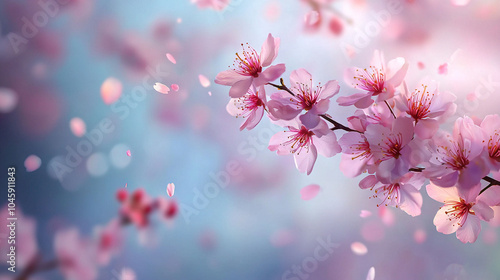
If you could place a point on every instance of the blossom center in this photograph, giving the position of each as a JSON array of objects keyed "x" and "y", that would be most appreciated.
[
  {"x": 248, "y": 63},
  {"x": 392, "y": 146},
  {"x": 419, "y": 103},
  {"x": 371, "y": 79},
  {"x": 494, "y": 146},
  {"x": 248, "y": 103},
  {"x": 390, "y": 193},
  {"x": 301, "y": 139},
  {"x": 307, "y": 97},
  {"x": 457, "y": 156},
  {"x": 458, "y": 210}
]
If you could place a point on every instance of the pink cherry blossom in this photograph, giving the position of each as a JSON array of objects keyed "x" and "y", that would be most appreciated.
[
  {"x": 403, "y": 193},
  {"x": 109, "y": 240},
  {"x": 75, "y": 256},
  {"x": 356, "y": 154},
  {"x": 462, "y": 211},
  {"x": 248, "y": 68},
  {"x": 136, "y": 207},
  {"x": 305, "y": 144},
  {"x": 314, "y": 100},
  {"x": 491, "y": 127},
  {"x": 390, "y": 147},
  {"x": 376, "y": 80},
  {"x": 250, "y": 106},
  {"x": 171, "y": 58},
  {"x": 454, "y": 159},
  {"x": 427, "y": 106},
  {"x": 168, "y": 208}
]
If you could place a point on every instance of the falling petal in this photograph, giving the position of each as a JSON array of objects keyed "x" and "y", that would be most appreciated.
[
  {"x": 386, "y": 215},
  {"x": 8, "y": 100},
  {"x": 312, "y": 18},
  {"x": 359, "y": 248},
  {"x": 420, "y": 65},
  {"x": 309, "y": 192},
  {"x": 210, "y": 93},
  {"x": 111, "y": 90},
  {"x": 443, "y": 69},
  {"x": 171, "y": 58},
  {"x": 78, "y": 127},
  {"x": 128, "y": 153},
  {"x": 161, "y": 88},
  {"x": 336, "y": 26},
  {"x": 460, "y": 2},
  {"x": 179, "y": 20},
  {"x": 175, "y": 87},
  {"x": 373, "y": 231},
  {"x": 420, "y": 236},
  {"x": 127, "y": 274},
  {"x": 32, "y": 163},
  {"x": 170, "y": 189},
  {"x": 365, "y": 213},
  {"x": 204, "y": 81},
  {"x": 371, "y": 274},
  {"x": 471, "y": 96},
  {"x": 126, "y": 185}
]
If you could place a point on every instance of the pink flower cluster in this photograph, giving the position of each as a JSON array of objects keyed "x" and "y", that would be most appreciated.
[
  {"x": 393, "y": 138},
  {"x": 78, "y": 257}
]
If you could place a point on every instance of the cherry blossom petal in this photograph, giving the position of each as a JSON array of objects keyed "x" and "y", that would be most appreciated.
[
  {"x": 443, "y": 69},
  {"x": 240, "y": 88},
  {"x": 171, "y": 58},
  {"x": 426, "y": 128},
  {"x": 300, "y": 76},
  {"x": 411, "y": 200},
  {"x": 32, "y": 163},
  {"x": 309, "y": 192},
  {"x": 111, "y": 90},
  {"x": 229, "y": 78},
  {"x": 469, "y": 232},
  {"x": 204, "y": 81},
  {"x": 270, "y": 74},
  {"x": 371, "y": 274},
  {"x": 365, "y": 214},
  {"x": 129, "y": 153},
  {"x": 441, "y": 194},
  {"x": 161, "y": 88},
  {"x": 359, "y": 248},
  {"x": 327, "y": 145},
  {"x": 269, "y": 50},
  {"x": 368, "y": 182},
  {"x": 330, "y": 89},
  {"x": 304, "y": 161},
  {"x": 443, "y": 223},
  {"x": 8, "y": 100},
  {"x": 483, "y": 211},
  {"x": 175, "y": 87},
  {"x": 491, "y": 196},
  {"x": 396, "y": 71},
  {"x": 170, "y": 189},
  {"x": 78, "y": 127}
]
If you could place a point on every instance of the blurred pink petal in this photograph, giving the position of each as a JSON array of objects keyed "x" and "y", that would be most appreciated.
[
  {"x": 8, "y": 100},
  {"x": 111, "y": 90},
  {"x": 386, "y": 215},
  {"x": 282, "y": 238},
  {"x": 359, "y": 248},
  {"x": 443, "y": 69},
  {"x": 420, "y": 65},
  {"x": 365, "y": 213},
  {"x": 210, "y": 93},
  {"x": 373, "y": 231},
  {"x": 129, "y": 153},
  {"x": 175, "y": 87},
  {"x": 170, "y": 189},
  {"x": 32, "y": 163},
  {"x": 204, "y": 81},
  {"x": 171, "y": 58},
  {"x": 78, "y": 127},
  {"x": 335, "y": 25},
  {"x": 460, "y": 2},
  {"x": 309, "y": 192},
  {"x": 420, "y": 236},
  {"x": 127, "y": 274},
  {"x": 371, "y": 274},
  {"x": 161, "y": 88}
]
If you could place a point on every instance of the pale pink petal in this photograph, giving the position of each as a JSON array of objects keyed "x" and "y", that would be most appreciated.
[
  {"x": 420, "y": 65},
  {"x": 330, "y": 89},
  {"x": 441, "y": 194},
  {"x": 352, "y": 99},
  {"x": 443, "y": 69},
  {"x": 373, "y": 231},
  {"x": 491, "y": 196},
  {"x": 78, "y": 127},
  {"x": 270, "y": 74},
  {"x": 371, "y": 274},
  {"x": 469, "y": 232},
  {"x": 386, "y": 215},
  {"x": 483, "y": 211},
  {"x": 309, "y": 192},
  {"x": 229, "y": 78},
  {"x": 304, "y": 161},
  {"x": 240, "y": 88},
  {"x": 359, "y": 248},
  {"x": 426, "y": 128},
  {"x": 111, "y": 90},
  {"x": 460, "y": 2},
  {"x": 269, "y": 50},
  {"x": 170, "y": 189},
  {"x": 32, "y": 163},
  {"x": 171, "y": 58},
  {"x": 161, "y": 88},
  {"x": 8, "y": 100},
  {"x": 411, "y": 200},
  {"x": 209, "y": 93},
  {"x": 129, "y": 153},
  {"x": 204, "y": 81},
  {"x": 396, "y": 71},
  {"x": 310, "y": 119},
  {"x": 175, "y": 87},
  {"x": 280, "y": 111},
  {"x": 300, "y": 76},
  {"x": 327, "y": 145},
  {"x": 335, "y": 25},
  {"x": 253, "y": 119},
  {"x": 365, "y": 214},
  {"x": 368, "y": 182},
  {"x": 443, "y": 222}
]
